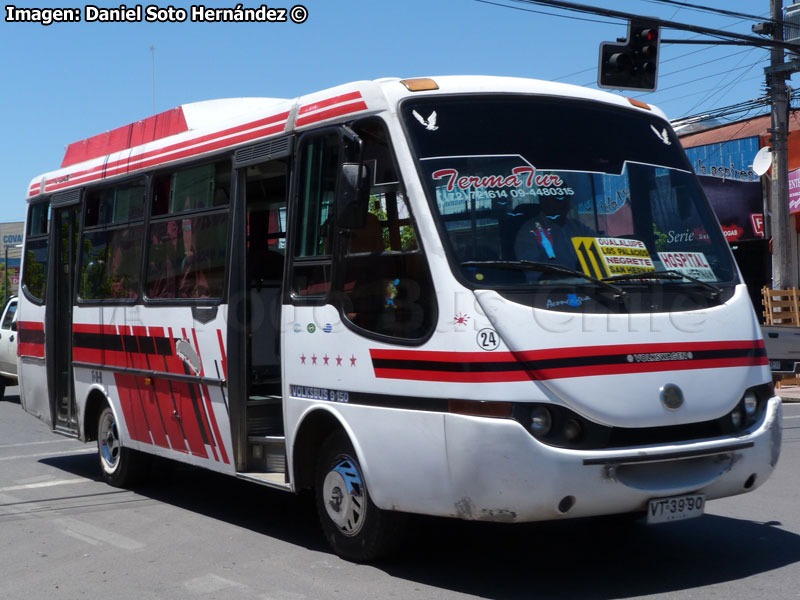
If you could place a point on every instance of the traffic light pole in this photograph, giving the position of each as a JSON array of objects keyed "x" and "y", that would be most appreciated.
[{"x": 784, "y": 240}]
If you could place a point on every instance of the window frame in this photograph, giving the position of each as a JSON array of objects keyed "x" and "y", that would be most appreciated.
[
  {"x": 150, "y": 220},
  {"x": 106, "y": 228},
  {"x": 339, "y": 250},
  {"x": 36, "y": 238}
]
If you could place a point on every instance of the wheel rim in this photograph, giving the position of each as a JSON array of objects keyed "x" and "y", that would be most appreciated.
[
  {"x": 108, "y": 438},
  {"x": 344, "y": 496}
]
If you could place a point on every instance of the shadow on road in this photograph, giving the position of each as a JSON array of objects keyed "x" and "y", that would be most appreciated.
[
  {"x": 11, "y": 399},
  {"x": 600, "y": 558}
]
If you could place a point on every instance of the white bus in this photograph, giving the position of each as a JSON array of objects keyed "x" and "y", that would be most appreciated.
[{"x": 485, "y": 298}]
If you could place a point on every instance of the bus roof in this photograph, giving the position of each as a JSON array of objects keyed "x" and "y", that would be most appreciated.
[{"x": 193, "y": 130}]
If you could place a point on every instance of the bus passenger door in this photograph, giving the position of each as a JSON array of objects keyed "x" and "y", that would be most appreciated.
[
  {"x": 256, "y": 402},
  {"x": 60, "y": 296}
]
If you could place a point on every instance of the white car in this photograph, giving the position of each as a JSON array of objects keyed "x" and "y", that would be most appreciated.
[{"x": 8, "y": 345}]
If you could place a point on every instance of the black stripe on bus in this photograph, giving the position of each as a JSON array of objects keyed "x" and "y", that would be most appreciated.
[
  {"x": 122, "y": 343},
  {"x": 557, "y": 363}
]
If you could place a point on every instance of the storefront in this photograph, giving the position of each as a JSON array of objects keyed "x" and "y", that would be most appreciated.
[
  {"x": 722, "y": 158},
  {"x": 10, "y": 254}
]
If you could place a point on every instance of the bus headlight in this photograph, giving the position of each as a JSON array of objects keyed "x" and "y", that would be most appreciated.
[
  {"x": 750, "y": 402},
  {"x": 573, "y": 430},
  {"x": 736, "y": 418},
  {"x": 541, "y": 421}
]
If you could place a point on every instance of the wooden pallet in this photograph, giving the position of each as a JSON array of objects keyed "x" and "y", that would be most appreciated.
[{"x": 781, "y": 307}]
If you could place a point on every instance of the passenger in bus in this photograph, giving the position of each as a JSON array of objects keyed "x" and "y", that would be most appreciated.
[
  {"x": 196, "y": 263},
  {"x": 123, "y": 282},
  {"x": 165, "y": 254},
  {"x": 547, "y": 236}
]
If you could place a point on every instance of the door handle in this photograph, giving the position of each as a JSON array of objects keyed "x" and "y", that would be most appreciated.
[{"x": 11, "y": 339}]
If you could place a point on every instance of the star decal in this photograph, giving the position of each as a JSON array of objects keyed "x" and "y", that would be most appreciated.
[
  {"x": 338, "y": 361},
  {"x": 313, "y": 359},
  {"x": 303, "y": 359},
  {"x": 326, "y": 358},
  {"x": 353, "y": 360}
]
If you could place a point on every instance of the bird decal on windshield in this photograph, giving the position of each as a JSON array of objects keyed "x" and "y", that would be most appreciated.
[
  {"x": 429, "y": 123},
  {"x": 662, "y": 135}
]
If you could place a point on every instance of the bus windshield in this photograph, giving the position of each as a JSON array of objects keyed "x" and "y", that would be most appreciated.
[{"x": 531, "y": 191}]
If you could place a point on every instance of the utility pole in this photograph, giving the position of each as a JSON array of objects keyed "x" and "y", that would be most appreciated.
[{"x": 784, "y": 240}]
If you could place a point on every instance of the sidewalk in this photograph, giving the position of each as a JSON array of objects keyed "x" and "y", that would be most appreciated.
[{"x": 789, "y": 393}]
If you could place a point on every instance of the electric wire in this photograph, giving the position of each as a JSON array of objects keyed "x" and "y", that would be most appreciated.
[{"x": 718, "y": 11}]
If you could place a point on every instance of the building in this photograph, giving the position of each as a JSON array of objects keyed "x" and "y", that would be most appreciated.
[
  {"x": 11, "y": 235},
  {"x": 722, "y": 157}
]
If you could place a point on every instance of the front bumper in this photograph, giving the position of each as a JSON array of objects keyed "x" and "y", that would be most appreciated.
[{"x": 499, "y": 472}]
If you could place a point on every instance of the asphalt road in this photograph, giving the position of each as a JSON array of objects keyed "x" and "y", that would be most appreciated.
[{"x": 197, "y": 535}]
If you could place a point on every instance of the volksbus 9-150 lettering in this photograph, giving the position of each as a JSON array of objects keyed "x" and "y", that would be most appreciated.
[{"x": 486, "y": 298}]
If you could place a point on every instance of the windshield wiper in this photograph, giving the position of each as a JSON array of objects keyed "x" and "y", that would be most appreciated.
[
  {"x": 530, "y": 265},
  {"x": 671, "y": 274}
]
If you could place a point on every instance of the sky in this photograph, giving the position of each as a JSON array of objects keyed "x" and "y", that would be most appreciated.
[{"x": 68, "y": 81}]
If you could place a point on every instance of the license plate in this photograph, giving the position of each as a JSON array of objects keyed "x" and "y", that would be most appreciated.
[
  {"x": 676, "y": 508},
  {"x": 775, "y": 365}
]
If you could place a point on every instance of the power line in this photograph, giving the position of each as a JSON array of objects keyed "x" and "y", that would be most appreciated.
[
  {"x": 657, "y": 22},
  {"x": 703, "y": 91},
  {"x": 718, "y": 11},
  {"x": 711, "y": 95},
  {"x": 541, "y": 12}
]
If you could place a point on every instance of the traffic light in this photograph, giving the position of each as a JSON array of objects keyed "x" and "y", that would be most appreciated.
[{"x": 634, "y": 64}]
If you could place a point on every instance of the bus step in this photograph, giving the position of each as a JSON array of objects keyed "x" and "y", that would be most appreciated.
[
  {"x": 266, "y": 453},
  {"x": 264, "y": 400},
  {"x": 273, "y": 480},
  {"x": 265, "y": 425}
]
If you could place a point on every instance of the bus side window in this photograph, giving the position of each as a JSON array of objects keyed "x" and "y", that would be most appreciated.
[
  {"x": 319, "y": 161},
  {"x": 188, "y": 233},
  {"x": 34, "y": 277},
  {"x": 112, "y": 242},
  {"x": 386, "y": 285}
]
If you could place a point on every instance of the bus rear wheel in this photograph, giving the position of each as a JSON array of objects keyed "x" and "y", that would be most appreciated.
[
  {"x": 355, "y": 528},
  {"x": 119, "y": 466}
]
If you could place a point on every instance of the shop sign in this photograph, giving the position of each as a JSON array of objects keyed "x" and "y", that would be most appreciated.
[{"x": 794, "y": 191}]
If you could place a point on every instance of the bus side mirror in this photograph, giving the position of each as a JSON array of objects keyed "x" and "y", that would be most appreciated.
[{"x": 352, "y": 196}]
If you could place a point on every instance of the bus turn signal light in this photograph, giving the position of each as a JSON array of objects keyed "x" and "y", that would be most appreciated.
[
  {"x": 420, "y": 84},
  {"x": 477, "y": 408}
]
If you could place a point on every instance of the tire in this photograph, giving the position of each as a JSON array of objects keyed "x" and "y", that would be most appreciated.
[
  {"x": 355, "y": 528},
  {"x": 119, "y": 466}
]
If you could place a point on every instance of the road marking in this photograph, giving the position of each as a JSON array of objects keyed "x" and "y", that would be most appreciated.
[
  {"x": 61, "y": 441},
  {"x": 793, "y": 417},
  {"x": 210, "y": 583},
  {"x": 31, "y": 486},
  {"x": 93, "y": 535},
  {"x": 43, "y": 454}
]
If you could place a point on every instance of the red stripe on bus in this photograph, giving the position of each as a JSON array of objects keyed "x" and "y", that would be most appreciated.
[
  {"x": 331, "y": 113},
  {"x": 164, "y": 397},
  {"x": 33, "y": 348},
  {"x": 210, "y": 405},
  {"x": 330, "y": 102},
  {"x": 592, "y": 351},
  {"x": 128, "y": 168},
  {"x": 207, "y": 143},
  {"x": 452, "y": 376},
  {"x": 191, "y": 427},
  {"x": 569, "y": 352},
  {"x": 132, "y": 409},
  {"x": 222, "y": 351},
  {"x": 521, "y": 366},
  {"x": 564, "y": 373}
]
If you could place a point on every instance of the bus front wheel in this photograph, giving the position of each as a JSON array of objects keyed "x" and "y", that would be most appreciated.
[
  {"x": 356, "y": 529},
  {"x": 120, "y": 466}
]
